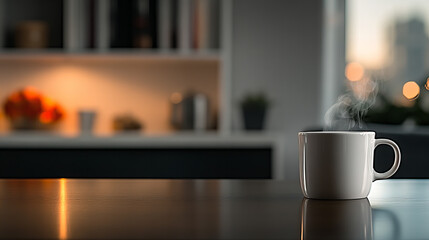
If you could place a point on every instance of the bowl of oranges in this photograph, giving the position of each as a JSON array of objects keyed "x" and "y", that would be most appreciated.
[{"x": 28, "y": 109}]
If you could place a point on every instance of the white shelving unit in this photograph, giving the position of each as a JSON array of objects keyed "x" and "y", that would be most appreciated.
[{"x": 75, "y": 26}]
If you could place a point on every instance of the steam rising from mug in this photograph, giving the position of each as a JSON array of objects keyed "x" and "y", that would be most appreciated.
[{"x": 348, "y": 112}]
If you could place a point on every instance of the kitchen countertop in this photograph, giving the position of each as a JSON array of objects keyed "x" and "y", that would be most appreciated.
[
  {"x": 206, "y": 140},
  {"x": 206, "y": 209}
]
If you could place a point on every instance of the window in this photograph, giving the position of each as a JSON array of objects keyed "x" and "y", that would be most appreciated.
[{"x": 387, "y": 44}]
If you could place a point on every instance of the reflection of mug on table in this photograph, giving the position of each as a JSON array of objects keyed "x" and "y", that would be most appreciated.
[
  {"x": 321, "y": 219},
  {"x": 339, "y": 165},
  {"x": 386, "y": 224}
]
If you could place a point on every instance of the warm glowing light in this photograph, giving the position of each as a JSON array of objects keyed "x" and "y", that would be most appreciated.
[
  {"x": 63, "y": 210},
  {"x": 176, "y": 98},
  {"x": 354, "y": 71},
  {"x": 427, "y": 84},
  {"x": 411, "y": 90}
]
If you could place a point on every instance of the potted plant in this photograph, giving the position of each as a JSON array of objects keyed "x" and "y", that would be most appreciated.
[{"x": 254, "y": 107}]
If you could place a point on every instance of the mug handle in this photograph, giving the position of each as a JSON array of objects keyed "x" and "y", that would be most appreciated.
[{"x": 394, "y": 168}]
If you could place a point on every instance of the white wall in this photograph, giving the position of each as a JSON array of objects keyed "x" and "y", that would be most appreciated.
[{"x": 277, "y": 49}]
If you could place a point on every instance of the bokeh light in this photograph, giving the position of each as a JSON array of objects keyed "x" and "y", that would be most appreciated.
[
  {"x": 354, "y": 71},
  {"x": 411, "y": 90},
  {"x": 427, "y": 84}
]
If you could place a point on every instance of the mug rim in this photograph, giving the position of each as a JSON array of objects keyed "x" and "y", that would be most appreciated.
[{"x": 337, "y": 132}]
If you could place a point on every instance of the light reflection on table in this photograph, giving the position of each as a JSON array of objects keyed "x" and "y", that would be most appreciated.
[{"x": 63, "y": 209}]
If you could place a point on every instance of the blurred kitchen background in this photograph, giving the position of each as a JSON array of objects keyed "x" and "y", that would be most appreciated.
[{"x": 201, "y": 88}]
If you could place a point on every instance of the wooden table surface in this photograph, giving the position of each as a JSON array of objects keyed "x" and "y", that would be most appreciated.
[{"x": 206, "y": 209}]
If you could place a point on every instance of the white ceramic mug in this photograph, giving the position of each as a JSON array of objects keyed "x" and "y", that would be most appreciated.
[{"x": 339, "y": 165}]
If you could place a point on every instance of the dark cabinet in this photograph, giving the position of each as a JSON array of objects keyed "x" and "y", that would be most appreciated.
[{"x": 226, "y": 163}]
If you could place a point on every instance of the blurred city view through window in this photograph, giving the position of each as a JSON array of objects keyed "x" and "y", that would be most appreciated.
[{"x": 387, "y": 56}]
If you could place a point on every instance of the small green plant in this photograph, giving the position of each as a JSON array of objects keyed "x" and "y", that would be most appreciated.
[{"x": 255, "y": 100}]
